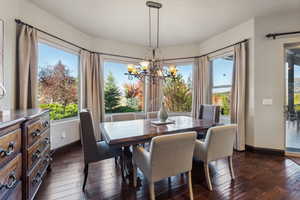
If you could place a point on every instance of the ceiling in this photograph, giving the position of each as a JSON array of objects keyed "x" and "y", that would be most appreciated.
[{"x": 182, "y": 21}]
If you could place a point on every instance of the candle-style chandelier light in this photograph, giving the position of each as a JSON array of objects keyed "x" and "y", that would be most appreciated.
[{"x": 152, "y": 66}]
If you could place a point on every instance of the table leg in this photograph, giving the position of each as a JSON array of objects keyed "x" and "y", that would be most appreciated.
[{"x": 128, "y": 166}]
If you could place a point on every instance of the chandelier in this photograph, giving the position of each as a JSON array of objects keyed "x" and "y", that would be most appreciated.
[{"x": 152, "y": 65}]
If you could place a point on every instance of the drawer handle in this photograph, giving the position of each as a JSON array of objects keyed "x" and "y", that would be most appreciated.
[
  {"x": 36, "y": 155},
  {"x": 45, "y": 124},
  {"x": 37, "y": 178},
  {"x": 47, "y": 159},
  {"x": 12, "y": 179},
  {"x": 47, "y": 140},
  {"x": 9, "y": 151},
  {"x": 36, "y": 133}
]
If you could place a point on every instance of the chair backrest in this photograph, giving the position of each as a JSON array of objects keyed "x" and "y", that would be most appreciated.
[
  {"x": 88, "y": 139},
  {"x": 210, "y": 112},
  {"x": 123, "y": 117},
  {"x": 171, "y": 154},
  {"x": 152, "y": 115},
  {"x": 219, "y": 141}
]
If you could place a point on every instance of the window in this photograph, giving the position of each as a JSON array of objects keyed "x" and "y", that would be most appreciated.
[
  {"x": 58, "y": 81},
  {"x": 222, "y": 69},
  {"x": 178, "y": 91},
  {"x": 120, "y": 93}
]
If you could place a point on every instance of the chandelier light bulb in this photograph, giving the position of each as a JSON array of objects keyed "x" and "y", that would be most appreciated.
[{"x": 130, "y": 68}]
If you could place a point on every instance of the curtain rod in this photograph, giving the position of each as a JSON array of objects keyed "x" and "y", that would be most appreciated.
[
  {"x": 182, "y": 58},
  {"x": 18, "y": 21},
  {"x": 274, "y": 35}
]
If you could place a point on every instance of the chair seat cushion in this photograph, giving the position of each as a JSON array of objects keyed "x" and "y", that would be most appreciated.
[{"x": 106, "y": 151}]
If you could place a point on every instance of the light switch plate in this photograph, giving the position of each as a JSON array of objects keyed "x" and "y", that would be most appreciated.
[{"x": 267, "y": 101}]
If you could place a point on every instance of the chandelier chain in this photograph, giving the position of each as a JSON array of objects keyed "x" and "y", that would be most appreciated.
[
  {"x": 157, "y": 45},
  {"x": 150, "y": 37}
]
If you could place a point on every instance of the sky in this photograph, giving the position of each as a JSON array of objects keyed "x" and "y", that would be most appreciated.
[{"x": 48, "y": 55}]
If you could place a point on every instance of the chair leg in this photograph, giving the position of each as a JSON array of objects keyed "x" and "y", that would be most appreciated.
[
  {"x": 134, "y": 175},
  {"x": 116, "y": 161},
  {"x": 190, "y": 185},
  {"x": 151, "y": 191},
  {"x": 231, "y": 167},
  {"x": 122, "y": 163},
  {"x": 207, "y": 176},
  {"x": 86, "y": 172}
]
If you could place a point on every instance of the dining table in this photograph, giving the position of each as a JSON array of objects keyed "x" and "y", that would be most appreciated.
[{"x": 126, "y": 134}]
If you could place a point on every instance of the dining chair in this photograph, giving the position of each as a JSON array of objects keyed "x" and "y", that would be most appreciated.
[
  {"x": 210, "y": 112},
  {"x": 94, "y": 151},
  {"x": 152, "y": 115},
  {"x": 217, "y": 145},
  {"x": 123, "y": 117},
  {"x": 160, "y": 162}
]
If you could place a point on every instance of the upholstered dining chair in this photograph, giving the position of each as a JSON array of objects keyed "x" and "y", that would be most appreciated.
[
  {"x": 210, "y": 112},
  {"x": 152, "y": 115},
  {"x": 218, "y": 144},
  {"x": 94, "y": 151},
  {"x": 160, "y": 162},
  {"x": 123, "y": 117}
]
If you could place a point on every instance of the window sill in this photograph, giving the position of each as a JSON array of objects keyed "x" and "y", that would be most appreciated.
[{"x": 70, "y": 119}]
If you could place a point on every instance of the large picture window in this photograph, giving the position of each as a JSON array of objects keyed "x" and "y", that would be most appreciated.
[
  {"x": 222, "y": 69},
  {"x": 121, "y": 94},
  {"x": 58, "y": 81},
  {"x": 178, "y": 92}
]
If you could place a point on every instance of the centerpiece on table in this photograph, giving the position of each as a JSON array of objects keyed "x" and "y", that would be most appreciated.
[{"x": 163, "y": 116}]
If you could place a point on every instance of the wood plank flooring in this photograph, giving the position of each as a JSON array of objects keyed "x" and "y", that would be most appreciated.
[{"x": 257, "y": 177}]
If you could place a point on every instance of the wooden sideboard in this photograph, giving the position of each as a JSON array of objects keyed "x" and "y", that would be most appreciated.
[{"x": 24, "y": 153}]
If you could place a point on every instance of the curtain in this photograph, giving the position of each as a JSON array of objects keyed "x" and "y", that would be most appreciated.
[
  {"x": 92, "y": 96},
  {"x": 26, "y": 67},
  {"x": 238, "y": 94},
  {"x": 201, "y": 84},
  {"x": 153, "y": 95}
]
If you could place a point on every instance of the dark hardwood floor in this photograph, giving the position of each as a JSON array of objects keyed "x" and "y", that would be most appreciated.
[{"x": 257, "y": 177}]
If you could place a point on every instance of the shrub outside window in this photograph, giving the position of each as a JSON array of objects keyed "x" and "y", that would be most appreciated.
[{"x": 58, "y": 81}]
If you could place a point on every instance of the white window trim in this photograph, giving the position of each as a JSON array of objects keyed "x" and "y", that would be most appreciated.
[
  {"x": 42, "y": 38},
  {"x": 122, "y": 61},
  {"x": 181, "y": 62}
]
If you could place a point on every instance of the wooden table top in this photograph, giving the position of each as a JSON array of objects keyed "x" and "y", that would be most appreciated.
[{"x": 126, "y": 133}]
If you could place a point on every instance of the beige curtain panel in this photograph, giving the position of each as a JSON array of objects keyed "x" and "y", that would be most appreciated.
[
  {"x": 92, "y": 96},
  {"x": 201, "y": 84},
  {"x": 238, "y": 94},
  {"x": 26, "y": 67},
  {"x": 153, "y": 95}
]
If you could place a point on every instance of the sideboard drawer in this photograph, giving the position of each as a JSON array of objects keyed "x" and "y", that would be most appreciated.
[
  {"x": 16, "y": 193},
  {"x": 35, "y": 178},
  {"x": 10, "y": 145},
  {"x": 36, "y": 129},
  {"x": 10, "y": 174},
  {"x": 35, "y": 152}
]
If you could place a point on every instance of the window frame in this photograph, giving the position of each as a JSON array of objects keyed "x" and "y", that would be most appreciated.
[
  {"x": 181, "y": 63},
  {"x": 125, "y": 61},
  {"x": 223, "y": 54},
  {"x": 51, "y": 42}
]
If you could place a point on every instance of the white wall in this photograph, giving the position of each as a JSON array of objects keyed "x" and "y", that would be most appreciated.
[
  {"x": 121, "y": 48},
  {"x": 269, "y": 77},
  {"x": 231, "y": 36},
  {"x": 179, "y": 51},
  {"x": 31, "y": 14},
  {"x": 8, "y": 12}
]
